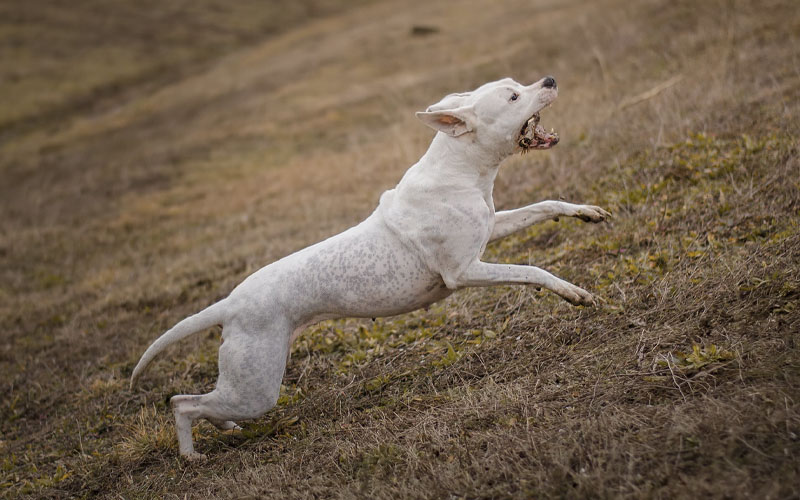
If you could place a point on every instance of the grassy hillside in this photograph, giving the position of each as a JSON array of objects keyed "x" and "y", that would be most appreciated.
[{"x": 151, "y": 158}]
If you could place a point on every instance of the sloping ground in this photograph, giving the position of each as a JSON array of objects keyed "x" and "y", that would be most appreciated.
[
  {"x": 60, "y": 59},
  {"x": 680, "y": 118}
]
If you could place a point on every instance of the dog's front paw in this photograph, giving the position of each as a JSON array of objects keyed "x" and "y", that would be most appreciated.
[
  {"x": 590, "y": 213},
  {"x": 577, "y": 296}
]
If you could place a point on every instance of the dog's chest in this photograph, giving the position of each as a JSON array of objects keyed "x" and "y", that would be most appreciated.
[{"x": 490, "y": 222}]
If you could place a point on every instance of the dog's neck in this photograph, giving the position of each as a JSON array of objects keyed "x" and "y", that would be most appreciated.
[{"x": 461, "y": 162}]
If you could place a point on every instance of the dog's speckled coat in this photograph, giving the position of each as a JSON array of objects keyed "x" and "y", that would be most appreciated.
[{"x": 423, "y": 242}]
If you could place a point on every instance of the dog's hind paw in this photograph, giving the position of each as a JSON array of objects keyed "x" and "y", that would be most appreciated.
[
  {"x": 193, "y": 456},
  {"x": 225, "y": 425}
]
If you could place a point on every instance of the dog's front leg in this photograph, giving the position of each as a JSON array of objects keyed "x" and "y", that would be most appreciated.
[
  {"x": 511, "y": 221},
  {"x": 485, "y": 274}
]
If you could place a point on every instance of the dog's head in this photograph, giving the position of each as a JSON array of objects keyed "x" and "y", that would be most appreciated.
[{"x": 501, "y": 116}]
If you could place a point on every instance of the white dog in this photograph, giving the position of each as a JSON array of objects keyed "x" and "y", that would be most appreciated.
[{"x": 424, "y": 241}]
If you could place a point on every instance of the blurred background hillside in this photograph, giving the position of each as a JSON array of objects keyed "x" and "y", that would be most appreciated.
[{"x": 154, "y": 154}]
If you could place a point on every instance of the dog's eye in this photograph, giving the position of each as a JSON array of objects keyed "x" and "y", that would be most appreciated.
[{"x": 514, "y": 97}]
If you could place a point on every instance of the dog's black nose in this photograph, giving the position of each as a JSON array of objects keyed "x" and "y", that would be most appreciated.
[{"x": 549, "y": 82}]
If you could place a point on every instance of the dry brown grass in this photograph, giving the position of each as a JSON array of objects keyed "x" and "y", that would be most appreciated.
[{"x": 127, "y": 209}]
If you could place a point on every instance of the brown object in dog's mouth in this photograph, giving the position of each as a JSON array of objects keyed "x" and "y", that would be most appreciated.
[{"x": 533, "y": 136}]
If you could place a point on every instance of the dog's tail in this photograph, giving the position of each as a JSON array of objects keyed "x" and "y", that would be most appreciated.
[{"x": 206, "y": 318}]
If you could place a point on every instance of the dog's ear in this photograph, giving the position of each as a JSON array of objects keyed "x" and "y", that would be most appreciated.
[
  {"x": 453, "y": 122},
  {"x": 450, "y": 101}
]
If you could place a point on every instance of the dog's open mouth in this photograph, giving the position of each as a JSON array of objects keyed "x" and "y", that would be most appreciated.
[{"x": 533, "y": 136}]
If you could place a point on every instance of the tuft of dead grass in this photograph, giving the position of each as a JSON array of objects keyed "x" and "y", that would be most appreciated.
[{"x": 150, "y": 433}]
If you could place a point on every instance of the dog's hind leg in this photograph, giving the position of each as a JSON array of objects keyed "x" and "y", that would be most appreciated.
[
  {"x": 223, "y": 425},
  {"x": 251, "y": 366},
  {"x": 186, "y": 409}
]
